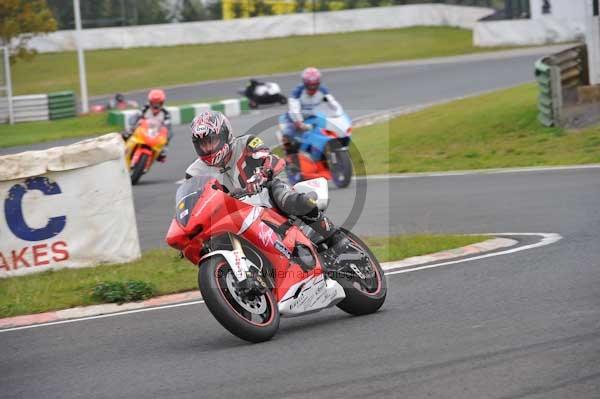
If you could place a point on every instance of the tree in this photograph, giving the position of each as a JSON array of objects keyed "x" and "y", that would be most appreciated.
[
  {"x": 261, "y": 8},
  {"x": 20, "y": 20},
  {"x": 191, "y": 10}
]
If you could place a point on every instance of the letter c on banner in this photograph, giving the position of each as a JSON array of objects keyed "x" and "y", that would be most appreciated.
[{"x": 14, "y": 211}]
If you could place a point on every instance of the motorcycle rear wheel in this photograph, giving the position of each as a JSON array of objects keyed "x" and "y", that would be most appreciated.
[
  {"x": 138, "y": 169},
  {"x": 253, "y": 321},
  {"x": 363, "y": 298}
]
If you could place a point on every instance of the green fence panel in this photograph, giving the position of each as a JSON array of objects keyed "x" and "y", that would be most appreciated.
[
  {"x": 116, "y": 118},
  {"x": 187, "y": 113},
  {"x": 545, "y": 101},
  {"x": 218, "y": 107},
  {"x": 60, "y": 114},
  {"x": 62, "y": 104},
  {"x": 244, "y": 105},
  {"x": 545, "y": 120}
]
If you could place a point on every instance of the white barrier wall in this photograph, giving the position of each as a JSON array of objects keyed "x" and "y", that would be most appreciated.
[
  {"x": 524, "y": 32},
  {"x": 66, "y": 207},
  {"x": 263, "y": 27}
]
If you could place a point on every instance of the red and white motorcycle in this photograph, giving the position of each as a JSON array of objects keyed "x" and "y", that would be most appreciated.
[{"x": 256, "y": 265}]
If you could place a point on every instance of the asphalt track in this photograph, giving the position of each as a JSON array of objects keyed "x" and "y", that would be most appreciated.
[{"x": 523, "y": 325}]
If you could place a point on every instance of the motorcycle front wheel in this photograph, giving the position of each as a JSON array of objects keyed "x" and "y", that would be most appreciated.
[
  {"x": 255, "y": 320},
  {"x": 138, "y": 169},
  {"x": 340, "y": 164},
  {"x": 365, "y": 285}
]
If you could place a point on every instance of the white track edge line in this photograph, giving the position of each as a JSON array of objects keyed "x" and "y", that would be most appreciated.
[
  {"x": 547, "y": 239},
  {"x": 102, "y": 316}
]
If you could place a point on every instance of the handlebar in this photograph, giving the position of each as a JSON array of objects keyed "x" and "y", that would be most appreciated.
[{"x": 239, "y": 193}]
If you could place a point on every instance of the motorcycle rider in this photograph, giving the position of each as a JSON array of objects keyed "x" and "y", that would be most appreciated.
[
  {"x": 155, "y": 109},
  {"x": 119, "y": 102},
  {"x": 246, "y": 163},
  {"x": 303, "y": 102}
]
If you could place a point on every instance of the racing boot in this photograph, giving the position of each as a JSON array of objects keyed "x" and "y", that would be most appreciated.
[
  {"x": 162, "y": 156},
  {"x": 292, "y": 167},
  {"x": 329, "y": 234}
]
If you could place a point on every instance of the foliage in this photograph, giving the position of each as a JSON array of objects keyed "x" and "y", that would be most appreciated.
[
  {"x": 121, "y": 292},
  {"x": 101, "y": 13},
  {"x": 261, "y": 8},
  {"x": 21, "y": 20}
]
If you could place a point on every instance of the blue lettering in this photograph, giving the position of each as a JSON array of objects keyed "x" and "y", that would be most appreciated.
[{"x": 14, "y": 211}]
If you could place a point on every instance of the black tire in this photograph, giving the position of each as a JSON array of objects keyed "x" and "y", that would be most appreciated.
[
  {"x": 340, "y": 164},
  {"x": 359, "y": 301},
  {"x": 283, "y": 100},
  {"x": 138, "y": 169},
  {"x": 212, "y": 280}
]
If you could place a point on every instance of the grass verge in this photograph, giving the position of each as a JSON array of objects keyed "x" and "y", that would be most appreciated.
[
  {"x": 37, "y": 132},
  {"x": 110, "y": 71},
  {"x": 495, "y": 130},
  {"x": 168, "y": 274}
]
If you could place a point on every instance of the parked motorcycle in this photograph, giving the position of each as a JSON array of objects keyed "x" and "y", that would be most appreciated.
[
  {"x": 322, "y": 148},
  {"x": 255, "y": 265},
  {"x": 144, "y": 146}
]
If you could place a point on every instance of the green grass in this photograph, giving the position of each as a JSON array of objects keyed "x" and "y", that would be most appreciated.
[
  {"x": 110, "y": 71},
  {"x": 74, "y": 287},
  {"x": 36, "y": 132},
  {"x": 490, "y": 131},
  {"x": 404, "y": 246}
]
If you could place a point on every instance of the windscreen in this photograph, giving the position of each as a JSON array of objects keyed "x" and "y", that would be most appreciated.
[{"x": 187, "y": 196}]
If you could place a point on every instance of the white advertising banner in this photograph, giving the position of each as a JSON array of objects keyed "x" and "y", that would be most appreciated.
[{"x": 66, "y": 207}]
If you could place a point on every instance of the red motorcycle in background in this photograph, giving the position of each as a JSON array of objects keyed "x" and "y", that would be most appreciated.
[{"x": 256, "y": 265}]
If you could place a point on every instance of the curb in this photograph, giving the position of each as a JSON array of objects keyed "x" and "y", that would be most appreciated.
[
  {"x": 183, "y": 114},
  {"x": 492, "y": 244}
]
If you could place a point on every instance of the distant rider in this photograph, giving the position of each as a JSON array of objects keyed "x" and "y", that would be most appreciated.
[
  {"x": 246, "y": 163},
  {"x": 119, "y": 102},
  {"x": 303, "y": 103},
  {"x": 155, "y": 109}
]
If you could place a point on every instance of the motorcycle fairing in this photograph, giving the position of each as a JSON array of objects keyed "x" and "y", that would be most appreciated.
[
  {"x": 311, "y": 295},
  {"x": 216, "y": 213}
]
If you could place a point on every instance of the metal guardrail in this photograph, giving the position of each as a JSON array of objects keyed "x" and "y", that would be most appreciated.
[
  {"x": 558, "y": 77},
  {"x": 40, "y": 107},
  {"x": 30, "y": 108}
]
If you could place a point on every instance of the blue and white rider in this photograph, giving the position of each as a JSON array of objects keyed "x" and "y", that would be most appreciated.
[{"x": 304, "y": 102}]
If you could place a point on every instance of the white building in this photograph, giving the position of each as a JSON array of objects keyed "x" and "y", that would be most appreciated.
[{"x": 552, "y": 21}]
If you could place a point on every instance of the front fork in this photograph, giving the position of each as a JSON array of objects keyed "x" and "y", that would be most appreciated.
[{"x": 253, "y": 284}]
